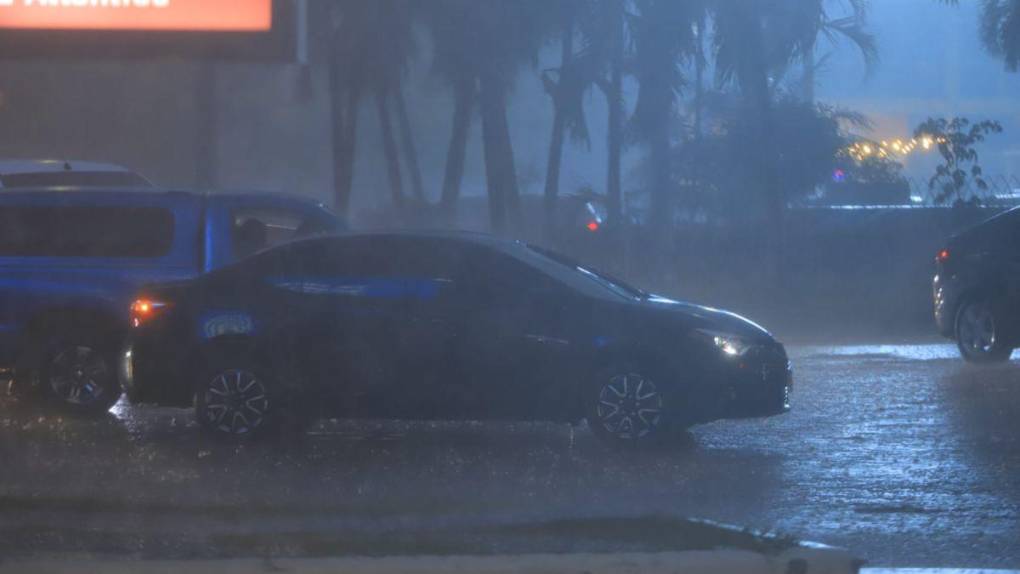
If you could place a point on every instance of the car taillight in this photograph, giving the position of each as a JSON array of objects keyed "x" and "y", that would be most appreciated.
[
  {"x": 942, "y": 256},
  {"x": 144, "y": 310}
]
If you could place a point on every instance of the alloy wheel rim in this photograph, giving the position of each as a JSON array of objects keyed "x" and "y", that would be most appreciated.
[
  {"x": 629, "y": 407},
  {"x": 977, "y": 329},
  {"x": 236, "y": 402},
  {"x": 78, "y": 375}
]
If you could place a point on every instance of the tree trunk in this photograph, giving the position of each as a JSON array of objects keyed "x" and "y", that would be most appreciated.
[
  {"x": 506, "y": 148},
  {"x": 407, "y": 142},
  {"x": 350, "y": 141},
  {"x": 661, "y": 204},
  {"x": 809, "y": 62},
  {"x": 464, "y": 103},
  {"x": 390, "y": 148},
  {"x": 614, "y": 192},
  {"x": 555, "y": 158},
  {"x": 344, "y": 107},
  {"x": 499, "y": 168},
  {"x": 757, "y": 90}
]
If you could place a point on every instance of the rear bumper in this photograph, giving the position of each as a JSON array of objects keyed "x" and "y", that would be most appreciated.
[{"x": 944, "y": 302}]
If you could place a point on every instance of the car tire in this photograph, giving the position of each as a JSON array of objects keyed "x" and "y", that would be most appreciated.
[
  {"x": 978, "y": 331},
  {"x": 76, "y": 371},
  {"x": 238, "y": 400},
  {"x": 626, "y": 407}
]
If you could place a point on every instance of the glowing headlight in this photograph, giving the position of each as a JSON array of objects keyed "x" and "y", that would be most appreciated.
[{"x": 729, "y": 345}]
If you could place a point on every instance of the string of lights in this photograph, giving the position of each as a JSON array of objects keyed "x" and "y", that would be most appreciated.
[{"x": 897, "y": 148}]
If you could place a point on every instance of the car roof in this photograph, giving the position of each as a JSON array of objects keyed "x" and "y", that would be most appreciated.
[
  {"x": 18, "y": 166},
  {"x": 12, "y": 195}
]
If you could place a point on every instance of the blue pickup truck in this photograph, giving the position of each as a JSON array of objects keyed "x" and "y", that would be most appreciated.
[{"x": 71, "y": 261}]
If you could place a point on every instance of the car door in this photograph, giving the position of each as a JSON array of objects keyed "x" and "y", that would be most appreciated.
[
  {"x": 512, "y": 344},
  {"x": 368, "y": 332}
]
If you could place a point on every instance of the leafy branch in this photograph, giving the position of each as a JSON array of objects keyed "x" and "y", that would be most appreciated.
[{"x": 955, "y": 140}]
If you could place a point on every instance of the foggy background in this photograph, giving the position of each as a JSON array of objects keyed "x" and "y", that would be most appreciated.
[
  {"x": 269, "y": 128},
  {"x": 272, "y": 121}
]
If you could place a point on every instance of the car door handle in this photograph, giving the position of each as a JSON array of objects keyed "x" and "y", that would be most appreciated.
[{"x": 546, "y": 340}]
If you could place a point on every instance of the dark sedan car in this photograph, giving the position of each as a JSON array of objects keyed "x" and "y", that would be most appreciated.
[
  {"x": 976, "y": 289},
  {"x": 444, "y": 326}
]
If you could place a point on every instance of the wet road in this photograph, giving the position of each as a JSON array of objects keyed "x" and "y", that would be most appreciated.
[{"x": 901, "y": 453}]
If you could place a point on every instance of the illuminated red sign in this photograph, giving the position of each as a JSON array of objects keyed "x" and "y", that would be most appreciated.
[{"x": 156, "y": 15}]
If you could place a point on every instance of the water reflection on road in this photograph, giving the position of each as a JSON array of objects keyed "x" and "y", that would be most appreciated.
[{"x": 899, "y": 452}]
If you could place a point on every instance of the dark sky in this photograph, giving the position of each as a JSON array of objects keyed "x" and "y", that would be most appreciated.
[{"x": 932, "y": 63}]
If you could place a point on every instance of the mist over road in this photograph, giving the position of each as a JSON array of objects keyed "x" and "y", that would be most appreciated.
[{"x": 901, "y": 453}]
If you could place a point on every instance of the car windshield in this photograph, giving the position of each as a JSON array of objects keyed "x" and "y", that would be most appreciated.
[{"x": 587, "y": 286}]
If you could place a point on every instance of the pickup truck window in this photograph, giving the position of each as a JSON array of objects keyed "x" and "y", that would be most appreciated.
[
  {"x": 257, "y": 229},
  {"x": 86, "y": 231}
]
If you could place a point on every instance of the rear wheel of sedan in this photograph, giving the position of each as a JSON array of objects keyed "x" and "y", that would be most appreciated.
[
  {"x": 237, "y": 401},
  {"x": 979, "y": 333},
  {"x": 625, "y": 406}
]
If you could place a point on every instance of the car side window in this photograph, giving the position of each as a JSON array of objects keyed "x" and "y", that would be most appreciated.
[
  {"x": 488, "y": 275},
  {"x": 86, "y": 231}
]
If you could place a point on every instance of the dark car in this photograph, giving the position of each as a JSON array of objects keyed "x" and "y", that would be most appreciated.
[
  {"x": 977, "y": 289},
  {"x": 444, "y": 326},
  {"x": 72, "y": 260}
]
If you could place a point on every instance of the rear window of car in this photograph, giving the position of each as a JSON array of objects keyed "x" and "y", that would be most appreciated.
[
  {"x": 75, "y": 179},
  {"x": 86, "y": 231}
]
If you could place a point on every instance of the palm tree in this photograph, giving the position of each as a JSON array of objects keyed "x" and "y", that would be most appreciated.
[
  {"x": 810, "y": 21},
  {"x": 559, "y": 84},
  {"x": 495, "y": 39},
  {"x": 663, "y": 36},
  {"x": 743, "y": 55},
  {"x": 451, "y": 40},
  {"x": 592, "y": 40},
  {"x": 616, "y": 10},
  {"x": 372, "y": 44},
  {"x": 1000, "y": 30}
]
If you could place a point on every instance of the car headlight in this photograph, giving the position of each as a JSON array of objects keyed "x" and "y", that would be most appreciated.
[{"x": 728, "y": 344}]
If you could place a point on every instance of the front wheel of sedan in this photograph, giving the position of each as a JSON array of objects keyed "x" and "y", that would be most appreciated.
[
  {"x": 979, "y": 333},
  {"x": 236, "y": 402},
  {"x": 627, "y": 407}
]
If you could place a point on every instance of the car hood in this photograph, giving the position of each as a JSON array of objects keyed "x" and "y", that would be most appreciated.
[{"x": 701, "y": 317}]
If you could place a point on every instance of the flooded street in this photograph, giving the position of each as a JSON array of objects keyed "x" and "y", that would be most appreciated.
[{"x": 901, "y": 453}]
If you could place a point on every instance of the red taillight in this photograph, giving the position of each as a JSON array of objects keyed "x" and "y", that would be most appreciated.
[
  {"x": 943, "y": 256},
  {"x": 143, "y": 310},
  {"x": 593, "y": 226}
]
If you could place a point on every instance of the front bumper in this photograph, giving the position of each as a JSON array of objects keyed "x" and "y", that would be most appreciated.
[
  {"x": 152, "y": 373},
  {"x": 757, "y": 385}
]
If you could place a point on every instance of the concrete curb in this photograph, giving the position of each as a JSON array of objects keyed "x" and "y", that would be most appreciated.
[
  {"x": 937, "y": 571},
  {"x": 795, "y": 561}
]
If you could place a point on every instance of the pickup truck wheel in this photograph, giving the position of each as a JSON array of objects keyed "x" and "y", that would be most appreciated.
[{"x": 77, "y": 373}]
